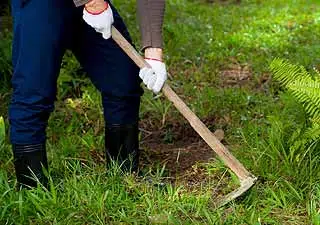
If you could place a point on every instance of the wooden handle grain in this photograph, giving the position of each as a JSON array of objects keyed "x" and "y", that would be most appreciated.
[{"x": 194, "y": 121}]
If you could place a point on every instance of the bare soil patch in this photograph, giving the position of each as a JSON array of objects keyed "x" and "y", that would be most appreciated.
[
  {"x": 235, "y": 74},
  {"x": 188, "y": 160},
  {"x": 177, "y": 146}
]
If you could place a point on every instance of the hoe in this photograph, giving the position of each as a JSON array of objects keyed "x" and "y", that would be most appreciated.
[{"x": 246, "y": 179}]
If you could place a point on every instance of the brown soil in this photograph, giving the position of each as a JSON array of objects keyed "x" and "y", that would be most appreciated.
[
  {"x": 235, "y": 74},
  {"x": 184, "y": 149},
  {"x": 186, "y": 158}
]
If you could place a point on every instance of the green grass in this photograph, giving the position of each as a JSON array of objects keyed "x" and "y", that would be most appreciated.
[{"x": 260, "y": 122}]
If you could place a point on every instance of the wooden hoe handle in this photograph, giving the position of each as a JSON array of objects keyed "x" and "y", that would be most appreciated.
[{"x": 194, "y": 121}]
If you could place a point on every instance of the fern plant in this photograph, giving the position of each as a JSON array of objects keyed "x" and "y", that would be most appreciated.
[{"x": 305, "y": 87}]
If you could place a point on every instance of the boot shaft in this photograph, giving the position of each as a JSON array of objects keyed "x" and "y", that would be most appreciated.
[
  {"x": 122, "y": 145},
  {"x": 29, "y": 162}
]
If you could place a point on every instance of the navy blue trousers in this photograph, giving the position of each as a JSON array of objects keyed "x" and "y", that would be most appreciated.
[{"x": 43, "y": 31}]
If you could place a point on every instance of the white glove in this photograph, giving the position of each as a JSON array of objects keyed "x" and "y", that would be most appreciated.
[
  {"x": 101, "y": 22},
  {"x": 155, "y": 77}
]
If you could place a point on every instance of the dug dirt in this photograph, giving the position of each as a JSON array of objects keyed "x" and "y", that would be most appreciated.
[{"x": 185, "y": 157}]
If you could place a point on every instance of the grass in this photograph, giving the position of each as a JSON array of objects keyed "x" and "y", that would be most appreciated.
[{"x": 201, "y": 40}]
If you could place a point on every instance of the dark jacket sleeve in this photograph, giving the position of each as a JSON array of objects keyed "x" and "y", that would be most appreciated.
[{"x": 150, "y": 16}]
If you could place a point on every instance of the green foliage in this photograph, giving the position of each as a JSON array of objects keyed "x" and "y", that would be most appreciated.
[
  {"x": 299, "y": 148},
  {"x": 287, "y": 73},
  {"x": 304, "y": 86},
  {"x": 314, "y": 205},
  {"x": 88, "y": 194},
  {"x": 306, "y": 89}
]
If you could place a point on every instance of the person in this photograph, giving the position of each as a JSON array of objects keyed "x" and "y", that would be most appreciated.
[{"x": 43, "y": 31}]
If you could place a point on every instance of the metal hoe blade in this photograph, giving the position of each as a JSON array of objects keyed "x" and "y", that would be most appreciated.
[{"x": 245, "y": 185}]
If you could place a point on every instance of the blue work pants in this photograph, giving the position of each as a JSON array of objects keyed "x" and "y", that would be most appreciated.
[{"x": 43, "y": 31}]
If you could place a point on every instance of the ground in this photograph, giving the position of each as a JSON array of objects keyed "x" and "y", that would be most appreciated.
[{"x": 218, "y": 55}]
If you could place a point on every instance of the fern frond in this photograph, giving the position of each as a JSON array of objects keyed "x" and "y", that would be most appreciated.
[
  {"x": 312, "y": 134},
  {"x": 315, "y": 120},
  {"x": 306, "y": 89},
  {"x": 286, "y": 73},
  {"x": 307, "y": 92}
]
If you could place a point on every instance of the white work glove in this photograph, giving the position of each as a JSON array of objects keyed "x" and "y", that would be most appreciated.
[
  {"x": 101, "y": 21},
  {"x": 155, "y": 77}
]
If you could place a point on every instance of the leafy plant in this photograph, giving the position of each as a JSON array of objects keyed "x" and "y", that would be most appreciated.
[{"x": 305, "y": 87}]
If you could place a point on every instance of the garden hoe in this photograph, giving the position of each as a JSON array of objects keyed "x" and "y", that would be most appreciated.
[{"x": 246, "y": 179}]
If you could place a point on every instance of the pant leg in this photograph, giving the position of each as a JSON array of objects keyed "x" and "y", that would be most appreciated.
[
  {"x": 113, "y": 73},
  {"x": 40, "y": 28}
]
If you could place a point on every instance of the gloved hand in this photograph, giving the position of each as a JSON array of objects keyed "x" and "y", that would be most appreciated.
[
  {"x": 155, "y": 77},
  {"x": 101, "y": 21}
]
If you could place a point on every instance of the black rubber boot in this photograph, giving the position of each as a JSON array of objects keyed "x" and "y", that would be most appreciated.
[
  {"x": 122, "y": 146},
  {"x": 29, "y": 162}
]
